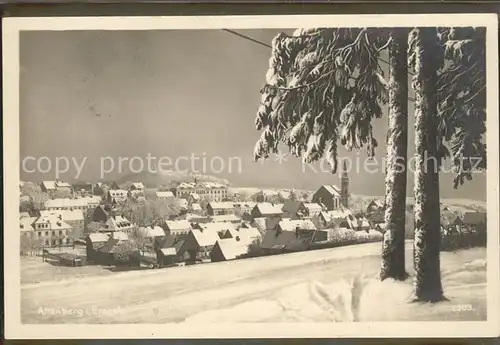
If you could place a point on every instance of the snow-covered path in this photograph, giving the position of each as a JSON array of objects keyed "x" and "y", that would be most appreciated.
[{"x": 261, "y": 289}]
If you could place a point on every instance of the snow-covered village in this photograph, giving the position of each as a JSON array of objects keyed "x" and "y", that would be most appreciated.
[{"x": 297, "y": 229}]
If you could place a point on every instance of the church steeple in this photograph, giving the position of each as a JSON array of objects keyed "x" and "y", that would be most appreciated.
[{"x": 344, "y": 191}]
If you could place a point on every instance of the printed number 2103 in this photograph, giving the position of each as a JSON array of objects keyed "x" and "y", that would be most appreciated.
[{"x": 462, "y": 307}]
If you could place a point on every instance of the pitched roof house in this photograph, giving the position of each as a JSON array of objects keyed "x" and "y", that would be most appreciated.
[
  {"x": 287, "y": 224},
  {"x": 228, "y": 249},
  {"x": 117, "y": 223},
  {"x": 265, "y": 223},
  {"x": 329, "y": 196},
  {"x": 183, "y": 203},
  {"x": 245, "y": 207},
  {"x": 137, "y": 186},
  {"x": 193, "y": 198},
  {"x": 117, "y": 195},
  {"x": 219, "y": 208},
  {"x": 164, "y": 195},
  {"x": 48, "y": 186},
  {"x": 66, "y": 204},
  {"x": 199, "y": 243},
  {"x": 231, "y": 218},
  {"x": 265, "y": 209},
  {"x": 26, "y": 227},
  {"x": 374, "y": 205},
  {"x": 152, "y": 231},
  {"x": 177, "y": 227},
  {"x": 296, "y": 209}
]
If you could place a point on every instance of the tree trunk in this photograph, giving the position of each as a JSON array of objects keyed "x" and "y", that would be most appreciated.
[
  {"x": 393, "y": 250},
  {"x": 426, "y": 245}
]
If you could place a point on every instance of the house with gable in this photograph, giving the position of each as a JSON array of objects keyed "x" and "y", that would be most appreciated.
[
  {"x": 266, "y": 209},
  {"x": 220, "y": 208},
  {"x": 117, "y": 223},
  {"x": 199, "y": 243},
  {"x": 374, "y": 206},
  {"x": 165, "y": 195},
  {"x": 95, "y": 241},
  {"x": 117, "y": 196},
  {"x": 229, "y": 249},
  {"x": 52, "y": 231},
  {"x": 295, "y": 209},
  {"x": 176, "y": 227},
  {"x": 329, "y": 196},
  {"x": 137, "y": 186}
]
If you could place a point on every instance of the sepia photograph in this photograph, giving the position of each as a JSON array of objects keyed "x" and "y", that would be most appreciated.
[{"x": 253, "y": 176}]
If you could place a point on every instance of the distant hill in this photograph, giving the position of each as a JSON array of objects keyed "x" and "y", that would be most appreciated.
[{"x": 156, "y": 179}]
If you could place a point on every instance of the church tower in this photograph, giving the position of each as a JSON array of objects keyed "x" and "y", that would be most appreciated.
[{"x": 344, "y": 191}]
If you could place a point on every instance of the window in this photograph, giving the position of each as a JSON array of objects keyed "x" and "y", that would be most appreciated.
[
  {"x": 46, "y": 233},
  {"x": 39, "y": 233},
  {"x": 60, "y": 232}
]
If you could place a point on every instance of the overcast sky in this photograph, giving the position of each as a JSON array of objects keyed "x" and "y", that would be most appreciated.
[{"x": 168, "y": 93}]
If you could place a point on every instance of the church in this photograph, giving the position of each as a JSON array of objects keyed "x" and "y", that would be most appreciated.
[{"x": 331, "y": 197}]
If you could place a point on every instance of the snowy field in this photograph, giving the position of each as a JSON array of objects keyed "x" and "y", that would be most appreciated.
[{"x": 331, "y": 285}]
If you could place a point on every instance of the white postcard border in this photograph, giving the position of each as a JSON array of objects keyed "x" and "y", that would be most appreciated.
[{"x": 15, "y": 330}]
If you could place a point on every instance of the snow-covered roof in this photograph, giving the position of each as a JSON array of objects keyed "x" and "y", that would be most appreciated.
[
  {"x": 115, "y": 223},
  {"x": 119, "y": 235},
  {"x": 153, "y": 231},
  {"x": 287, "y": 224},
  {"x": 182, "y": 202},
  {"x": 332, "y": 189},
  {"x": 49, "y": 185},
  {"x": 313, "y": 207},
  {"x": 196, "y": 218},
  {"x": 207, "y": 185},
  {"x": 205, "y": 238},
  {"x": 99, "y": 237},
  {"x": 245, "y": 204},
  {"x": 66, "y": 203},
  {"x": 138, "y": 185},
  {"x": 194, "y": 196},
  {"x": 196, "y": 207},
  {"x": 94, "y": 199},
  {"x": 55, "y": 223},
  {"x": 250, "y": 233},
  {"x": 231, "y": 248},
  {"x": 118, "y": 192},
  {"x": 336, "y": 214},
  {"x": 164, "y": 194},
  {"x": 178, "y": 224},
  {"x": 217, "y": 227},
  {"x": 170, "y": 251},
  {"x": 221, "y": 205},
  {"x": 225, "y": 218},
  {"x": 266, "y": 208},
  {"x": 66, "y": 215},
  {"x": 61, "y": 184}
]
